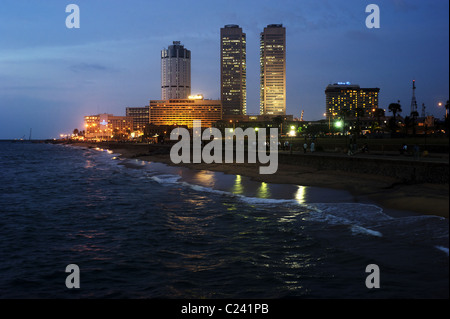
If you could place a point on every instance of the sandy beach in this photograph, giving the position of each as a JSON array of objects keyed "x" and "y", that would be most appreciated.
[{"x": 388, "y": 192}]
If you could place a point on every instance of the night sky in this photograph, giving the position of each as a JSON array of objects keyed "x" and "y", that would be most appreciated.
[{"x": 52, "y": 76}]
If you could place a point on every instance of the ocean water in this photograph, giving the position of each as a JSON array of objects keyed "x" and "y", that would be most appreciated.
[{"x": 146, "y": 230}]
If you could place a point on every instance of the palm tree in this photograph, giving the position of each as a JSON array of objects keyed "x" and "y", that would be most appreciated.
[{"x": 395, "y": 108}]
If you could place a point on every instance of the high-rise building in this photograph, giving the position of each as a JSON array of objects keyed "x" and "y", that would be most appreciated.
[
  {"x": 273, "y": 70},
  {"x": 351, "y": 99},
  {"x": 175, "y": 72},
  {"x": 233, "y": 70},
  {"x": 182, "y": 112}
]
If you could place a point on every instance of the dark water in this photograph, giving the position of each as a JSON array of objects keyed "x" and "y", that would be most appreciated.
[{"x": 145, "y": 230}]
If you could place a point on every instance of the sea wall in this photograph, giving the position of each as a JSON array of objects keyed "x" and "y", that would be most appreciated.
[{"x": 408, "y": 171}]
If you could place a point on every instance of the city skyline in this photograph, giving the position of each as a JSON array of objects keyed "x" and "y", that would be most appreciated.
[{"x": 53, "y": 76}]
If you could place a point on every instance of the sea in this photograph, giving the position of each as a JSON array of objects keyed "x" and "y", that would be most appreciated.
[{"x": 146, "y": 230}]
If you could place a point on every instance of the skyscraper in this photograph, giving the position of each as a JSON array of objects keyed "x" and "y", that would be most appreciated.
[
  {"x": 175, "y": 72},
  {"x": 273, "y": 70},
  {"x": 233, "y": 70}
]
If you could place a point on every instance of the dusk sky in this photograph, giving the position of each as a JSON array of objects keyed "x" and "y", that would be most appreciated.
[{"x": 52, "y": 76}]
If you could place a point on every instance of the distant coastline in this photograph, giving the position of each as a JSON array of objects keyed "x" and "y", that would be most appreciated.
[{"x": 389, "y": 192}]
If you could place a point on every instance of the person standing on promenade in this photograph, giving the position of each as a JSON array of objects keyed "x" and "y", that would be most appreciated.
[
  {"x": 305, "y": 147},
  {"x": 312, "y": 147}
]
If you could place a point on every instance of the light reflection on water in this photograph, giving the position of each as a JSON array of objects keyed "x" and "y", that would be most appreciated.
[
  {"x": 237, "y": 187},
  {"x": 135, "y": 237},
  {"x": 300, "y": 195},
  {"x": 263, "y": 191}
]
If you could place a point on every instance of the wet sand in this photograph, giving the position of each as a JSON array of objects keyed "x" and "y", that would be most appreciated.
[{"x": 387, "y": 192}]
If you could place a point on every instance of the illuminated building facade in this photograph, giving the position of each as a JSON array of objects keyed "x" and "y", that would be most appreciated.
[
  {"x": 140, "y": 117},
  {"x": 175, "y": 72},
  {"x": 273, "y": 70},
  {"x": 182, "y": 112},
  {"x": 344, "y": 97},
  {"x": 104, "y": 127},
  {"x": 233, "y": 70}
]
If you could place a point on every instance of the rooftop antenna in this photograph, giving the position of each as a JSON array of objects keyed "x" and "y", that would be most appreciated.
[
  {"x": 413, "y": 101},
  {"x": 423, "y": 110}
]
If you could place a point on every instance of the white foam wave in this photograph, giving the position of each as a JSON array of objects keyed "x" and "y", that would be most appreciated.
[
  {"x": 166, "y": 179},
  {"x": 365, "y": 231},
  {"x": 207, "y": 189},
  {"x": 246, "y": 199},
  {"x": 268, "y": 201},
  {"x": 354, "y": 215}
]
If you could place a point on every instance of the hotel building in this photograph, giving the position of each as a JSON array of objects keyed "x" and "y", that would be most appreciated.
[
  {"x": 175, "y": 72},
  {"x": 140, "y": 117},
  {"x": 273, "y": 70},
  {"x": 182, "y": 112},
  {"x": 356, "y": 101},
  {"x": 107, "y": 126},
  {"x": 233, "y": 70}
]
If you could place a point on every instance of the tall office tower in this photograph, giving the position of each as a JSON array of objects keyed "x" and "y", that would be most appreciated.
[
  {"x": 233, "y": 70},
  {"x": 175, "y": 72},
  {"x": 273, "y": 70}
]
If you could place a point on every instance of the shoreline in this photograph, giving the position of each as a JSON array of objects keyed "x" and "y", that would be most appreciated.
[{"x": 387, "y": 192}]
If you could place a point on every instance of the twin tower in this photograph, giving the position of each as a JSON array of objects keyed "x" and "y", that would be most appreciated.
[{"x": 176, "y": 71}]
